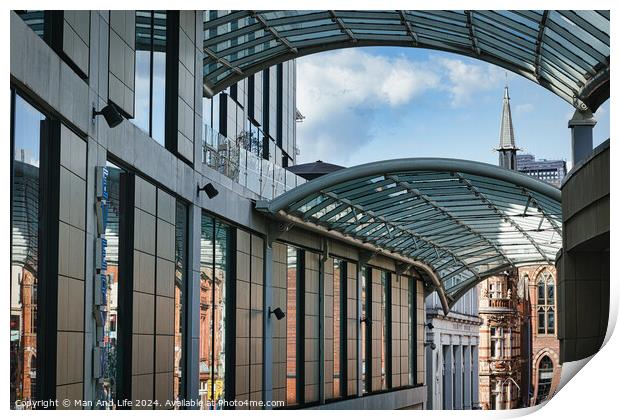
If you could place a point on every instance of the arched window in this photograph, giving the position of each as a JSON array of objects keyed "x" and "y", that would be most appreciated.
[
  {"x": 545, "y": 376},
  {"x": 545, "y": 300}
]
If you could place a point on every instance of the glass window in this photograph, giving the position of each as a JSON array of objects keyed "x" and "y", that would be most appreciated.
[
  {"x": 26, "y": 141},
  {"x": 365, "y": 327},
  {"x": 339, "y": 344},
  {"x": 292, "y": 279},
  {"x": 181, "y": 234},
  {"x": 385, "y": 334},
  {"x": 150, "y": 77},
  {"x": 214, "y": 278},
  {"x": 550, "y": 321},
  {"x": 541, "y": 321},
  {"x": 545, "y": 377},
  {"x": 412, "y": 331},
  {"x": 106, "y": 389},
  {"x": 546, "y": 303}
]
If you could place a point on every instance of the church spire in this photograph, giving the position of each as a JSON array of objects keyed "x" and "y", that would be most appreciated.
[
  {"x": 506, "y": 133},
  {"x": 507, "y": 148}
]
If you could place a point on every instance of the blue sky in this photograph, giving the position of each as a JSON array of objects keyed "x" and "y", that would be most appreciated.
[{"x": 368, "y": 104}]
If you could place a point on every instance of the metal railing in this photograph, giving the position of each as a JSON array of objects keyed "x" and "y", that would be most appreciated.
[{"x": 233, "y": 158}]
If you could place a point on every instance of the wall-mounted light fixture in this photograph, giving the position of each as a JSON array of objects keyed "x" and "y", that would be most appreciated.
[
  {"x": 430, "y": 325},
  {"x": 277, "y": 312},
  {"x": 209, "y": 189},
  {"x": 429, "y": 343},
  {"x": 111, "y": 115}
]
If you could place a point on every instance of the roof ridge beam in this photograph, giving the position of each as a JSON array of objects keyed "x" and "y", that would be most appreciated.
[
  {"x": 223, "y": 61},
  {"x": 342, "y": 26},
  {"x": 472, "y": 35},
  {"x": 409, "y": 27},
  {"x": 275, "y": 33},
  {"x": 539, "y": 43}
]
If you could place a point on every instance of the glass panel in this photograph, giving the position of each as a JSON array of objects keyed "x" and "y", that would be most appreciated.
[
  {"x": 143, "y": 71},
  {"x": 206, "y": 310},
  {"x": 24, "y": 250},
  {"x": 150, "y": 76},
  {"x": 411, "y": 329},
  {"x": 364, "y": 332},
  {"x": 541, "y": 292},
  {"x": 106, "y": 388},
  {"x": 550, "y": 292},
  {"x": 550, "y": 321},
  {"x": 385, "y": 280},
  {"x": 338, "y": 279},
  {"x": 291, "y": 326},
  {"x": 179, "y": 292},
  {"x": 541, "y": 321},
  {"x": 158, "y": 118},
  {"x": 219, "y": 307}
]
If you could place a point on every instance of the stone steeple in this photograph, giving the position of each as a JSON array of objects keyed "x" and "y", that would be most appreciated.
[{"x": 507, "y": 148}]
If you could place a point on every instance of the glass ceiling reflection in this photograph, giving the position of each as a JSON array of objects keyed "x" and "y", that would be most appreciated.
[
  {"x": 465, "y": 220},
  {"x": 560, "y": 50}
]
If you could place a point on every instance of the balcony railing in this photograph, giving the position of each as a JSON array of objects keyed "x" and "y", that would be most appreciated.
[
  {"x": 500, "y": 303},
  {"x": 233, "y": 159}
]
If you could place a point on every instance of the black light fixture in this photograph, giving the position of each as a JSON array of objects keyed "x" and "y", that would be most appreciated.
[
  {"x": 430, "y": 343},
  {"x": 209, "y": 189},
  {"x": 430, "y": 325},
  {"x": 277, "y": 312},
  {"x": 111, "y": 115}
]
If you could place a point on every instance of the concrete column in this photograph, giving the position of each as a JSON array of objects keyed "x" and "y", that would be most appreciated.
[
  {"x": 268, "y": 325},
  {"x": 475, "y": 401},
  {"x": 447, "y": 378},
  {"x": 581, "y": 126},
  {"x": 458, "y": 377},
  {"x": 468, "y": 378}
]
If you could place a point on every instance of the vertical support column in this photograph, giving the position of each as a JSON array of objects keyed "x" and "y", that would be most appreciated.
[
  {"x": 193, "y": 302},
  {"x": 468, "y": 378},
  {"x": 581, "y": 126},
  {"x": 268, "y": 326},
  {"x": 475, "y": 401},
  {"x": 447, "y": 378},
  {"x": 322, "y": 329},
  {"x": 360, "y": 273},
  {"x": 458, "y": 377}
]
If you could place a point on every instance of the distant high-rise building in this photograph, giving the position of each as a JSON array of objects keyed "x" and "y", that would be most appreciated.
[{"x": 551, "y": 171}]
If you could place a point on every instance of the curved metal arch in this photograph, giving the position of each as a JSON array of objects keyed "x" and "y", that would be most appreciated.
[
  {"x": 450, "y": 242},
  {"x": 562, "y": 51},
  {"x": 409, "y": 164}
]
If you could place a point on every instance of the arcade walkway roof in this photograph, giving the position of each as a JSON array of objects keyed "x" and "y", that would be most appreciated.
[
  {"x": 564, "y": 51},
  {"x": 458, "y": 220}
]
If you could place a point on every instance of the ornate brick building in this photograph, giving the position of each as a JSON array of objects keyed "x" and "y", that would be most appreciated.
[{"x": 501, "y": 365}]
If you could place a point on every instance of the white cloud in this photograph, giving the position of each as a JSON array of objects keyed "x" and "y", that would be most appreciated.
[
  {"x": 464, "y": 81},
  {"x": 341, "y": 92},
  {"x": 524, "y": 108}
]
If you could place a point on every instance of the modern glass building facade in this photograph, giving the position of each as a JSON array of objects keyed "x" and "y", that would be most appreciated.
[{"x": 162, "y": 281}]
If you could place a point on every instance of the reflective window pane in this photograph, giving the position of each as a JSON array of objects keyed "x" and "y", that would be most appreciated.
[
  {"x": 24, "y": 251},
  {"x": 291, "y": 326},
  {"x": 150, "y": 76},
  {"x": 179, "y": 296}
]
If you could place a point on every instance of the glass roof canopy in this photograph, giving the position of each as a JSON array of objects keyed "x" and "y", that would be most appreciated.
[
  {"x": 566, "y": 52},
  {"x": 458, "y": 220}
]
